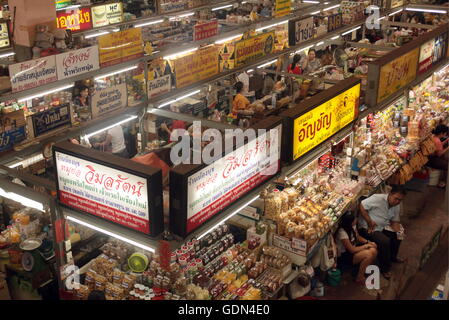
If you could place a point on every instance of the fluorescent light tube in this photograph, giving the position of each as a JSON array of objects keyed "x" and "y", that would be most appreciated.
[
  {"x": 93, "y": 35},
  {"x": 271, "y": 26},
  {"x": 319, "y": 43},
  {"x": 310, "y": 1},
  {"x": 228, "y": 39},
  {"x": 109, "y": 233},
  {"x": 393, "y": 13},
  {"x": 223, "y": 7},
  {"x": 266, "y": 64},
  {"x": 315, "y": 12},
  {"x": 172, "y": 56},
  {"x": 332, "y": 7},
  {"x": 426, "y": 10},
  {"x": 115, "y": 72},
  {"x": 334, "y": 38},
  {"x": 109, "y": 127},
  {"x": 7, "y": 55},
  {"x": 148, "y": 23},
  {"x": 182, "y": 16},
  {"x": 46, "y": 92},
  {"x": 228, "y": 217},
  {"x": 22, "y": 200},
  {"x": 352, "y": 30},
  {"x": 180, "y": 98}
]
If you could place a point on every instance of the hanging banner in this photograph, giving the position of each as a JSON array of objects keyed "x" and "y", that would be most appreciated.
[
  {"x": 316, "y": 126},
  {"x": 283, "y": 8},
  {"x": 73, "y": 63},
  {"x": 120, "y": 46},
  {"x": 51, "y": 119},
  {"x": 107, "y": 14},
  {"x": 253, "y": 48},
  {"x": 109, "y": 99},
  {"x": 205, "y": 30},
  {"x": 196, "y": 66},
  {"x": 159, "y": 86},
  {"x": 300, "y": 30},
  {"x": 77, "y": 19},
  {"x": 33, "y": 73},
  {"x": 396, "y": 74}
]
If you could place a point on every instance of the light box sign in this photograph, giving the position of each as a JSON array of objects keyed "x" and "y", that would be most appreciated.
[
  {"x": 89, "y": 183},
  {"x": 78, "y": 19},
  {"x": 300, "y": 30},
  {"x": 397, "y": 74},
  {"x": 216, "y": 186},
  {"x": 319, "y": 124},
  {"x": 33, "y": 73},
  {"x": 109, "y": 99},
  {"x": 253, "y": 48},
  {"x": 77, "y": 62},
  {"x": 107, "y": 14}
]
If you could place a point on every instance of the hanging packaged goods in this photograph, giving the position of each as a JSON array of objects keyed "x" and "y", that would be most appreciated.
[
  {"x": 107, "y": 14},
  {"x": 109, "y": 99},
  {"x": 33, "y": 73},
  {"x": 120, "y": 191},
  {"x": 300, "y": 30},
  {"x": 397, "y": 69},
  {"x": 120, "y": 46},
  {"x": 78, "y": 19},
  {"x": 253, "y": 48},
  {"x": 196, "y": 66},
  {"x": 200, "y": 192},
  {"x": 73, "y": 63},
  {"x": 320, "y": 121}
]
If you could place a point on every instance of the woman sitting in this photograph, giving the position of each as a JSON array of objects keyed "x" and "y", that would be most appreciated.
[
  {"x": 354, "y": 249},
  {"x": 438, "y": 160}
]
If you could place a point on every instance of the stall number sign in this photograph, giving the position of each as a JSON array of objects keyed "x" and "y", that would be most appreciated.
[
  {"x": 107, "y": 14},
  {"x": 32, "y": 74},
  {"x": 397, "y": 74},
  {"x": 220, "y": 184},
  {"x": 102, "y": 191},
  {"x": 51, "y": 119},
  {"x": 334, "y": 22},
  {"x": 109, "y": 99},
  {"x": 77, "y": 62},
  {"x": 78, "y": 19},
  {"x": 316, "y": 126},
  {"x": 300, "y": 30}
]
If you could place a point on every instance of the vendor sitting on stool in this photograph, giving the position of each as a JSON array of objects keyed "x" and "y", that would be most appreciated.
[
  {"x": 379, "y": 212},
  {"x": 438, "y": 160}
]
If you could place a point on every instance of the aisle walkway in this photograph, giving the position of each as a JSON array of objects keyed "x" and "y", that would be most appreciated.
[{"x": 420, "y": 228}]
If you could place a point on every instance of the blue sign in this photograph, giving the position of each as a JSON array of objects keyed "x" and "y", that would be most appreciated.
[
  {"x": 9, "y": 138},
  {"x": 53, "y": 118}
]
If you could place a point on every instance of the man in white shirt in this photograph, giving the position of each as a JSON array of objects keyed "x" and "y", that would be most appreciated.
[
  {"x": 378, "y": 212},
  {"x": 116, "y": 138}
]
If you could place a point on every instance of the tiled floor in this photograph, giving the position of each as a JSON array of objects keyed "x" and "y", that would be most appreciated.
[{"x": 408, "y": 282}]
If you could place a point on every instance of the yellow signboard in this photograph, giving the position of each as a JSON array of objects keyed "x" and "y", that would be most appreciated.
[
  {"x": 316, "y": 126},
  {"x": 396, "y": 74},
  {"x": 283, "y": 7},
  {"x": 196, "y": 66},
  {"x": 253, "y": 48},
  {"x": 120, "y": 46}
]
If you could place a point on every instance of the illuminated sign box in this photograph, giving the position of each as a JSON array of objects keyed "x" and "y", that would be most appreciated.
[
  {"x": 118, "y": 190},
  {"x": 78, "y": 19}
]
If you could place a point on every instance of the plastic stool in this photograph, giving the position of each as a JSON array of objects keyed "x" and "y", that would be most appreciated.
[{"x": 434, "y": 177}]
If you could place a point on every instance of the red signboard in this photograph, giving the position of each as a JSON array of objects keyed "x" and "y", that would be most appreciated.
[
  {"x": 205, "y": 30},
  {"x": 77, "y": 19}
]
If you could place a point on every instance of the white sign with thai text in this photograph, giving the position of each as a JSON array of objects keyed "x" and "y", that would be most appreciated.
[
  {"x": 32, "y": 74},
  {"x": 77, "y": 62}
]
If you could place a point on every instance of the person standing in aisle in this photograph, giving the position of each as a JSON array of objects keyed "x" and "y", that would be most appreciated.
[
  {"x": 438, "y": 160},
  {"x": 379, "y": 212},
  {"x": 116, "y": 138}
]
